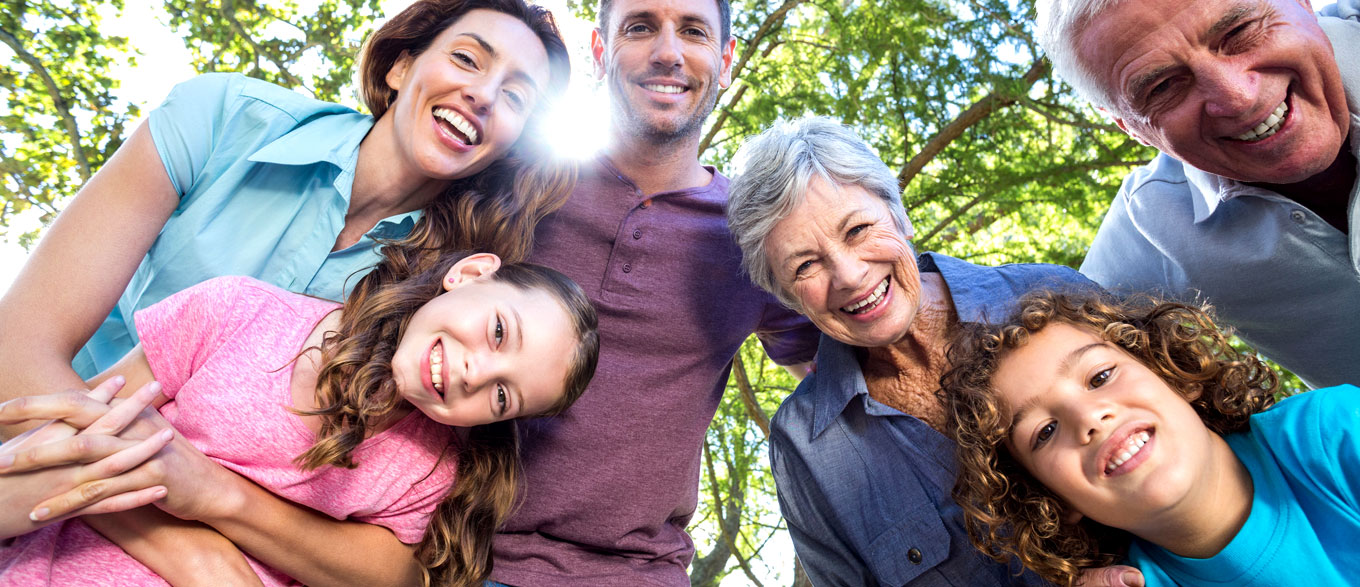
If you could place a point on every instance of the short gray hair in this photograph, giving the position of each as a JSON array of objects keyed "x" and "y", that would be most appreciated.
[
  {"x": 1059, "y": 24},
  {"x": 773, "y": 170}
]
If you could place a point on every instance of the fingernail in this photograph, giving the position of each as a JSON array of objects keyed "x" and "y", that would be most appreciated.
[
  {"x": 1131, "y": 579},
  {"x": 159, "y": 492},
  {"x": 167, "y": 434},
  {"x": 6, "y": 461},
  {"x": 118, "y": 380},
  {"x": 39, "y": 514}
]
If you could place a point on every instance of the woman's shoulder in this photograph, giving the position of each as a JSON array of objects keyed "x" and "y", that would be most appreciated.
[{"x": 231, "y": 92}]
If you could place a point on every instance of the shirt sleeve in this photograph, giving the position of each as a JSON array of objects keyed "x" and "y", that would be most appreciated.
[
  {"x": 1123, "y": 258},
  {"x": 1317, "y": 435},
  {"x": 188, "y": 124},
  {"x": 788, "y": 337},
  {"x": 180, "y": 332}
]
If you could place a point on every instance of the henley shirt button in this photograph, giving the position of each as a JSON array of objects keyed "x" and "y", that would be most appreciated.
[
  {"x": 914, "y": 556},
  {"x": 637, "y": 233},
  {"x": 647, "y": 203},
  {"x": 627, "y": 268},
  {"x": 1298, "y": 216}
]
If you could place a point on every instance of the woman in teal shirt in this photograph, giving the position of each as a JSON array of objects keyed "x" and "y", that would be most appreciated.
[{"x": 233, "y": 176}]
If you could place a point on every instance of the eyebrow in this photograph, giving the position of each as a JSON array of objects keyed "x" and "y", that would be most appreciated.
[
  {"x": 649, "y": 15},
  {"x": 1064, "y": 368},
  {"x": 1140, "y": 83},
  {"x": 1229, "y": 20},
  {"x": 490, "y": 50},
  {"x": 845, "y": 221}
]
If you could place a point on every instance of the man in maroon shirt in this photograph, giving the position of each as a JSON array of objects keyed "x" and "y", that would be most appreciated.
[{"x": 611, "y": 485}]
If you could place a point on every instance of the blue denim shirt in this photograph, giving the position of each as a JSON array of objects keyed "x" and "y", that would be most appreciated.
[
  {"x": 865, "y": 489},
  {"x": 264, "y": 176},
  {"x": 1284, "y": 278}
]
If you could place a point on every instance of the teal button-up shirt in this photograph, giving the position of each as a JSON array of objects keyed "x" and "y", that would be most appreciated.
[{"x": 264, "y": 177}]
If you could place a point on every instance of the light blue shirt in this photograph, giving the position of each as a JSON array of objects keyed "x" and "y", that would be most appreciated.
[
  {"x": 1288, "y": 281},
  {"x": 1304, "y": 528},
  {"x": 865, "y": 488},
  {"x": 264, "y": 177}
]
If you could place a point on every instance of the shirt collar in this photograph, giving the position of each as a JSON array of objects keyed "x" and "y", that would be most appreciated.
[{"x": 315, "y": 141}]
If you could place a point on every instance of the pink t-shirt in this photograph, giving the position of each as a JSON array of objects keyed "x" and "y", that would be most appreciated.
[{"x": 223, "y": 352}]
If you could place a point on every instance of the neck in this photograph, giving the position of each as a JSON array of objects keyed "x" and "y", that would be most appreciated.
[
  {"x": 906, "y": 373},
  {"x": 658, "y": 166},
  {"x": 382, "y": 186},
  {"x": 1328, "y": 191},
  {"x": 1202, "y": 525}
]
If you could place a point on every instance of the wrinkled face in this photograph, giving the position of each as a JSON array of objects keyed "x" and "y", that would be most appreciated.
[
  {"x": 839, "y": 254},
  {"x": 665, "y": 62},
  {"x": 484, "y": 351},
  {"x": 1101, "y": 430},
  {"x": 1246, "y": 89},
  {"x": 463, "y": 102}
]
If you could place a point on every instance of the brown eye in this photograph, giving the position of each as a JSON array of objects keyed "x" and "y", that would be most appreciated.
[
  {"x": 501, "y": 398},
  {"x": 1045, "y": 434},
  {"x": 1101, "y": 378}
]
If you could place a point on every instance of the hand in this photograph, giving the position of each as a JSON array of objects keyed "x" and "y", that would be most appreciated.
[
  {"x": 1111, "y": 576},
  {"x": 88, "y": 472}
]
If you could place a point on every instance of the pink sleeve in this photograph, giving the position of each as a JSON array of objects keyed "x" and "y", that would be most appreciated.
[
  {"x": 409, "y": 515},
  {"x": 180, "y": 332}
]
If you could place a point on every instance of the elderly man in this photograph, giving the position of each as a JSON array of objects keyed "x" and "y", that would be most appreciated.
[
  {"x": 611, "y": 485},
  {"x": 1251, "y": 203}
]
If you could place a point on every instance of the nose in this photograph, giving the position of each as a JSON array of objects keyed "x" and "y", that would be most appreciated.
[
  {"x": 480, "y": 95},
  {"x": 666, "y": 50},
  {"x": 1092, "y": 418},
  {"x": 848, "y": 271},
  {"x": 477, "y": 371},
  {"x": 1229, "y": 90}
]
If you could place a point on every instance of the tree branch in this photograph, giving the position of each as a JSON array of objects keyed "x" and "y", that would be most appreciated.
[
  {"x": 227, "y": 11},
  {"x": 974, "y": 114},
  {"x": 748, "y": 396},
  {"x": 1034, "y": 106},
  {"x": 771, "y": 22},
  {"x": 63, "y": 111}
]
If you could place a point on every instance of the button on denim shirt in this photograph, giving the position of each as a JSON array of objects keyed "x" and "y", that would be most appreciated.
[
  {"x": 263, "y": 175},
  {"x": 1284, "y": 278},
  {"x": 865, "y": 489}
]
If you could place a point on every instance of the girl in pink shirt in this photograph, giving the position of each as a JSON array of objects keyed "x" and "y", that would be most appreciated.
[{"x": 366, "y": 412}]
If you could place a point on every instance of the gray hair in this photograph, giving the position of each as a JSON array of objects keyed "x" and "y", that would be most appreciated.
[
  {"x": 778, "y": 166},
  {"x": 1059, "y": 24}
]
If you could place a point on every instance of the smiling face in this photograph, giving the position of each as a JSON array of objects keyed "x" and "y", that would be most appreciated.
[
  {"x": 484, "y": 350},
  {"x": 463, "y": 102},
  {"x": 841, "y": 257},
  {"x": 1104, "y": 432},
  {"x": 665, "y": 61},
  {"x": 1246, "y": 89}
]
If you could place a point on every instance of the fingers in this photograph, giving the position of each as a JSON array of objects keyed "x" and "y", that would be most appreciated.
[
  {"x": 114, "y": 478},
  {"x": 119, "y": 416},
  {"x": 73, "y": 407},
  {"x": 106, "y": 390},
  {"x": 1112, "y": 576},
  {"x": 86, "y": 449}
]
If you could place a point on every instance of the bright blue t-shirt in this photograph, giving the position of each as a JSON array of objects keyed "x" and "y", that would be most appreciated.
[
  {"x": 1303, "y": 455},
  {"x": 264, "y": 177}
]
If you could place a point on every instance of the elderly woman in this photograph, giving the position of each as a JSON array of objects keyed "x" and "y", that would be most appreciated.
[{"x": 863, "y": 472}]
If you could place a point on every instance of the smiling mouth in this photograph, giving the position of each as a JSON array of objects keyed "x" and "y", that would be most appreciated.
[
  {"x": 437, "y": 366},
  {"x": 1267, "y": 127},
  {"x": 665, "y": 88},
  {"x": 1131, "y": 447},
  {"x": 874, "y": 300},
  {"x": 453, "y": 122}
]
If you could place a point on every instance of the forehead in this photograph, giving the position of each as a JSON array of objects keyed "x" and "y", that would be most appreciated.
[
  {"x": 1028, "y": 369},
  {"x": 509, "y": 38},
  {"x": 704, "y": 10},
  {"x": 821, "y": 210}
]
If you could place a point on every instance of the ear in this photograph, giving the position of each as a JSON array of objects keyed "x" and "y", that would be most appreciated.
[
  {"x": 1119, "y": 122},
  {"x": 597, "y": 46},
  {"x": 725, "y": 76},
  {"x": 397, "y": 73},
  {"x": 470, "y": 268},
  {"x": 909, "y": 229}
]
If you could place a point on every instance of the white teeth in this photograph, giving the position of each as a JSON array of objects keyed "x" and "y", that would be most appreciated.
[
  {"x": 1268, "y": 127},
  {"x": 437, "y": 366},
  {"x": 872, "y": 300},
  {"x": 664, "y": 89},
  {"x": 1131, "y": 447},
  {"x": 457, "y": 121}
]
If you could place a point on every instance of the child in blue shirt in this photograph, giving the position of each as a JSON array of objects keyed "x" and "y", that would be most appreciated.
[{"x": 1090, "y": 429}]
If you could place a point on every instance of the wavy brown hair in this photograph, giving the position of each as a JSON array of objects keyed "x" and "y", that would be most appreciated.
[
  {"x": 496, "y": 209},
  {"x": 1007, "y": 512},
  {"x": 355, "y": 391}
]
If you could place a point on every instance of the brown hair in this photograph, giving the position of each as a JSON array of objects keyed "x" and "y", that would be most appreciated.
[
  {"x": 494, "y": 210},
  {"x": 355, "y": 391},
  {"x": 1007, "y": 512}
]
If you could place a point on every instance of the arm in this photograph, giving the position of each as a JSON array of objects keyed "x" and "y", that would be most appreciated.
[
  {"x": 77, "y": 272},
  {"x": 277, "y": 532}
]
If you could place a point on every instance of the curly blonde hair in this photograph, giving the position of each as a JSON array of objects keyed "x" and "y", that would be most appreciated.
[{"x": 1007, "y": 512}]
